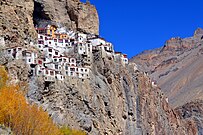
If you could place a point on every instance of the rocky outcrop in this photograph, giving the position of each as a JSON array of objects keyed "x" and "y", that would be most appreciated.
[
  {"x": 17, "y": 18},
  {"x": 16, "y": 22},
  {"x": 71, "y": 13},
  {"x": 192, "y": 111},
  {"x": 113, "y": 101},
  {"x": 176, "y": 67},
  {"x": 5, "y": 131}
]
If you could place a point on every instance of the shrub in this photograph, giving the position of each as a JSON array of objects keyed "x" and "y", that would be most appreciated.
[
  {"x": 17, "y": 114},
  {"x": 23, "y": 118},
  {"x": 68, "y": 131}
]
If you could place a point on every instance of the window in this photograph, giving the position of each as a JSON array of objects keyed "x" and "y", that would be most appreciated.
[
  {"x": 56, "y": 53},
  {"x": 19, "y": 49},
  {"x": 39, "y": 46},
  {"x": 60, "y": 40},
  {"x": 85, "y": 70},
  {"x": 55, "y": 40},
  {"x": 56, "y": 67},
  {"x": 66, "y": 67},
  {"x": 66, "y": 72},
  {"x": 50, "y": 50},
  {"x": 9, "y": 51},
  {"x": 41, "y": 37},
  {"x": 72, "y": 69},
  {"x": 81, "y": 70},
  {"x": 64, "y": 59},
  {"x": 66, "y": 41},
  {"x": 73, "y": 60},
  {"x": 49, "y": 42},
  {"x": 47, "y": 72},
  {"x": 46, "y": 38},
  {"x": 50, "y": 55},
  {"x": 60, "y": 60},
  {"x": 39, "y": 72},
  {"x": 39, "y": 62},
  {"x": 71, "y": 73},
  {"x": 29, "y": 60},
  {"x": 51, "y": 72}
]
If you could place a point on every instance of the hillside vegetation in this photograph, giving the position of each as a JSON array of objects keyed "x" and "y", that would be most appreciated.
[{"x": 22, "y": 118}]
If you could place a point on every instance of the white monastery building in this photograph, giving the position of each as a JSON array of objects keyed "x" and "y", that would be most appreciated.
[{"x": 64, "y": 53}]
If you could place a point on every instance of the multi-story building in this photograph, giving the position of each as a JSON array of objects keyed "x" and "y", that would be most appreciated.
[{"x": 63, "y": 53}]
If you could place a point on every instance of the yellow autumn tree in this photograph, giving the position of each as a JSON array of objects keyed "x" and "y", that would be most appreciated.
[
  {"x": 17, "y": 114},
  {"x": 22, "y": 118}
]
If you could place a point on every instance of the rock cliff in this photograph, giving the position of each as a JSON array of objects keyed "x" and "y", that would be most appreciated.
[
  {"x": 71, "y": 13},
  {"x": 16, "y": 22},
  {"x": 17, "y": 18},
  {"x": 176, "y": 67},
  {"x": 116, "y": 100}
]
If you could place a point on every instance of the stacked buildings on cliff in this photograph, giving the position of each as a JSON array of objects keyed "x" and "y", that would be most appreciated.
[{"x": 64, "y": 53}]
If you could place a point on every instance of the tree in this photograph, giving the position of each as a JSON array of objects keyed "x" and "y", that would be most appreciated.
[{"x": 23, "y": 118}]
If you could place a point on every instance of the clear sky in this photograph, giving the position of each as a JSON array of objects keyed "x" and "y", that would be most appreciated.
[{"x": 137, "y": 25}]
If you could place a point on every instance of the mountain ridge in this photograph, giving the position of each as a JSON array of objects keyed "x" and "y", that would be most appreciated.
[{"x": 163, "y": 62}]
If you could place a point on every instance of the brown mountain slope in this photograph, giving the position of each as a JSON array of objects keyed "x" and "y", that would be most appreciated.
[{"x": 177, "y": 67}]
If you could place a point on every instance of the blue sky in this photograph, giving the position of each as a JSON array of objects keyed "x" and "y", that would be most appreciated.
[{"x": 137, "y": 25}]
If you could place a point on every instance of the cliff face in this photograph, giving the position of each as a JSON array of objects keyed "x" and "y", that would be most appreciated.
[
  {"x": 176, "y": 67},
  {"x": 16, "y": 22},
  {"x": 71, "y": 13},
  {"x": 17, "y": 18},
  {"x": 113, "y": 101}
]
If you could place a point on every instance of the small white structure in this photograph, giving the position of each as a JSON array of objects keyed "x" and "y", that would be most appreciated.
[
  {"x": 122, "y": 57},
  {"x": 49, "y": 75},
  {"x": 167, "y": 100},
  {"x": 81, "y": 37},
  {"x": 97, "y": 41},
  {"x": 72, "y": 61},
  {"x": 2, "y": 42},
  {"x": 50, "y": 52},
  {"x": 30, "y": 56},
  {"x": 154, "y": 84},
  {"x": 71, "y": 71},
  {"x": 15, "y": 52},
  {"x": 84, "y": 49},
  {"x": 83, "y": 72},
  {"x": 39, "y": 69}
]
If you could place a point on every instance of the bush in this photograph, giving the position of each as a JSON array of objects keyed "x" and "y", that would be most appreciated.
[
  {"x": 22, "y": 118},
  {"x": 68, "y": 131},
  {"x": 17, "y": 114}
]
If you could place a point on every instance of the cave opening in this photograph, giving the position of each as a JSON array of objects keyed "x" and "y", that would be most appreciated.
[{"x": 39, "y": 16}]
